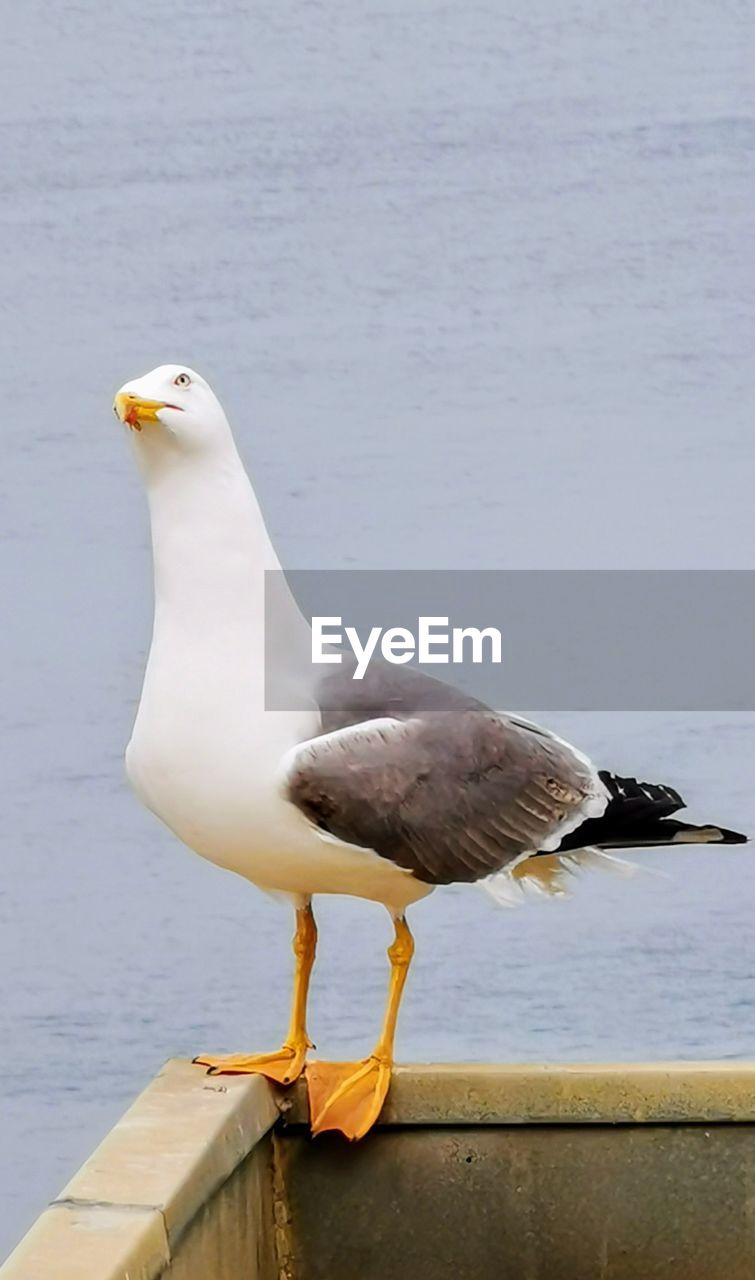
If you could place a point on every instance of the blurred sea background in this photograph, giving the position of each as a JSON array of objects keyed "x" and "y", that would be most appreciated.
[{"x": 476, "y": 285}]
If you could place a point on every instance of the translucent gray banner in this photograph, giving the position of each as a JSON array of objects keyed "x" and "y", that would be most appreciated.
[{"x": 570, "y": 640}]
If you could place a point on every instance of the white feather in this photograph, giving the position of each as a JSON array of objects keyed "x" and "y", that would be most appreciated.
[{"x": 508, "y": 890}]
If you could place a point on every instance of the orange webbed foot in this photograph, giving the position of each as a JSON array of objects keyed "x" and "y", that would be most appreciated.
[
  {"x": 283, "y": 1067},
  {"x": 347, "y": 1096}
]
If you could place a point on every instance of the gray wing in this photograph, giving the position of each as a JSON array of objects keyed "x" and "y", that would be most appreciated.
[
  {"x": 450, "y": 793},
  {"x": 385, "y": 690}
]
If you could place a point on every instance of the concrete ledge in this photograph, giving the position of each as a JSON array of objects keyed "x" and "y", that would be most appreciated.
[
  {"x": 124, "y": 1211},
  {"x": 611, "y": 1093},
  {"x": 177, "y": 1144},
  {"x": 190, "y": 1186},
  {"x": 91, "y": 1243}
]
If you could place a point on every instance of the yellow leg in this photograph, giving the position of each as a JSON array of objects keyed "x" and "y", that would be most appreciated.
[
  {"x": 287, "y": 1064},
  {"x": 349, "y": 1096}
]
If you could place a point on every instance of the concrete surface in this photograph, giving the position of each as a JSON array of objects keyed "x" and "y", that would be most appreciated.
[{"x": 605, "y": 1172}]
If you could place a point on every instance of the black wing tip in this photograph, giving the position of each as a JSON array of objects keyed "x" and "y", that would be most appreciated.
[
  {"x": 623, "y": 789},
  {"x": 708, "y": 833},
  {"x": 732, "y": 837}
]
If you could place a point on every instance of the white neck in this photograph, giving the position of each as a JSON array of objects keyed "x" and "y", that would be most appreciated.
[{"x": 211, "y": 550}]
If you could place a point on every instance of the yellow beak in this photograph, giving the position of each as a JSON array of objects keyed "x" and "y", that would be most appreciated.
[{"x": 135, "y": 412}]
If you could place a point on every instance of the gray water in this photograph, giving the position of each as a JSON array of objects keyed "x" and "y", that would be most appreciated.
[{"x": 475, "y": 284}]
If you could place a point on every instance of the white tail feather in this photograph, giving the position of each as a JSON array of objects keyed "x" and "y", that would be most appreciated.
[{"x": 552, "y": 875}]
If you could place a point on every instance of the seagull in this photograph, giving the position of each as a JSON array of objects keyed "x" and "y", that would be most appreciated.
[{"x": 381, "y": 788}]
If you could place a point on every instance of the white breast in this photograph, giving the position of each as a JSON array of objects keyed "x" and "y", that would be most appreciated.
[
  {"x": 205, "y": 754},
  {"x": 209, "y": 767}
]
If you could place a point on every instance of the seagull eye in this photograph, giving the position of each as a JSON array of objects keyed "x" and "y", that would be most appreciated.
[{"x": 182, "y": 380}]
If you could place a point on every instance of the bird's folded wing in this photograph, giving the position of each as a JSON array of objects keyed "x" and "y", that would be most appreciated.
[{"x": 449, "y": 795}]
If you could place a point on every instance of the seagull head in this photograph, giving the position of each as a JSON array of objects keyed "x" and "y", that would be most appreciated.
[{"x": 172, "y": 409}]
